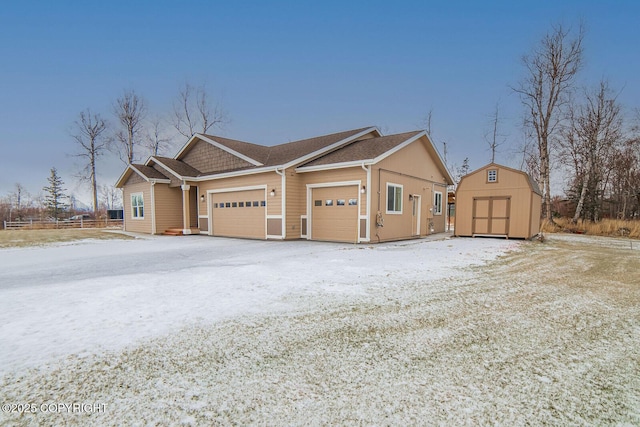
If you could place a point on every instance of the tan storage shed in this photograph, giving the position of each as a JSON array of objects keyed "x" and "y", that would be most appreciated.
[{"x": 498, "y": 201}]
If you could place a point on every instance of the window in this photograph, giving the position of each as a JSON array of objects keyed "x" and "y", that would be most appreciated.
[
  {"x": 492, "y": 175},
  {"x": 263, "y": 203},
  {"x": 137, "y": 205},
  {"x": 234, "y": 204},
  {"x": 227, "y": 204},
  {"x": 247, "y": 204},
  {"x": 328, "y": 202},
  {"x": 353, "y": 202},
  {"x": 256, "y": 204},
  {"x": 317, "y": 202},
  {"x": 437, "y": 203},
  {"x": 394, "y": 198},
  {"x": 241, "y": 204},
  {"x": 340, "y": 202}
]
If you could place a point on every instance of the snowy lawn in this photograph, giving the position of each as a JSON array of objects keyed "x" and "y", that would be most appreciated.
[{"x": 202, "y": 331}]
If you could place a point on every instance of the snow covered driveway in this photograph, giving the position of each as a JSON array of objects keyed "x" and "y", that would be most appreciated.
[
  {"x": 92, "y": 296},
  {"x": 230, "y": 332}
]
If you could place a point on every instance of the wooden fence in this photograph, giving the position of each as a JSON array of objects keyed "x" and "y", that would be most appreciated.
[{"x": 75, "y": 223}]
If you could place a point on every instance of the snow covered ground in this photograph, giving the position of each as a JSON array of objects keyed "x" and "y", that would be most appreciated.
[
  {"x": 201, "y": 331},
  {"x": 88, "y": 297}
]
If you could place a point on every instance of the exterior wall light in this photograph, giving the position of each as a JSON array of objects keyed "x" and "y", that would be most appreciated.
[
  {"x": 410, "y": 196},
  {"x": 273, "y": 192},
  {"x": 363, "y": 190},
  {"x": 202, "y": 198}
]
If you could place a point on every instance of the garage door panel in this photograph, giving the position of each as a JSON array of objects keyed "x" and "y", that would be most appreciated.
[
  {"x": 240, "y": 214},
  {"x": 334, "y": 214}
]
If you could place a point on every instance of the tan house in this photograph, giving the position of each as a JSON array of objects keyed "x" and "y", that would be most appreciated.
[
  {"x": 353, "y": 186},
  {"x": 499, "y": 201}
]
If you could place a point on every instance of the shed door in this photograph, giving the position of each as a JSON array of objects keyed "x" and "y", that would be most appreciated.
[
  {"x": 334, "y": 214},
  {"x": 239, "y": 214},
  {"x": 491, "y": 215}
]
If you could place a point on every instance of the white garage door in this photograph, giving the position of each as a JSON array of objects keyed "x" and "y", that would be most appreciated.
[
  {"x": 240, "y": 214},
  {"x": 334, "y": 214}
]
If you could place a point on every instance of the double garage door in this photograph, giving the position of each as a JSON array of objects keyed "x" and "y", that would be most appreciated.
[
  {"x": 491, "y": 215},
  {"x": 335, "y": 213},
  {"x": 239, "y": 214}
]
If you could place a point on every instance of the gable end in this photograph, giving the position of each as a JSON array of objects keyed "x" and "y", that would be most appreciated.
[{"x": 208, "y": 158}]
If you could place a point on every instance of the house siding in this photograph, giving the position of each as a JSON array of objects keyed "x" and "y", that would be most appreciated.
[
  {"x": 168, "y": 207},
  {"x": 135, "y": 184},
  {"x": 414, "y": 169}
]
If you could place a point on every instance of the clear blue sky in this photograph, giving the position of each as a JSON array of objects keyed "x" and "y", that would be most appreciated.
[{"x": 287, "y": 70}]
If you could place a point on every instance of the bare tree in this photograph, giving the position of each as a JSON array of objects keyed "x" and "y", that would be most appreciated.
[
  {"x": 594, "y": 134},
  {"x": 130, "y": 111},
  {"x": 111, "y": 196},
  {"x": 194, "y": 111},
  {"x": 551, "y": 71},
  {"x": 90, "y": 135},
  {"x": 156, "y": 137},
  {"x": 494, "y": 138}
]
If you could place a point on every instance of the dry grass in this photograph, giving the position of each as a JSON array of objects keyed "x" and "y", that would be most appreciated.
[
  {"x": 22, "y": 238},
  {"x": 605, "y": 227}
]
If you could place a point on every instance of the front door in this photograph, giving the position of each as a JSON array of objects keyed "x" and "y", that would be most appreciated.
[{"x": 416, "y": 215}]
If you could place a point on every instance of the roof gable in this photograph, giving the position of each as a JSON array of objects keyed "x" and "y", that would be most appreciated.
[
  {"x": 532, "y": 184},
  {"x": 147, "y": 173}
]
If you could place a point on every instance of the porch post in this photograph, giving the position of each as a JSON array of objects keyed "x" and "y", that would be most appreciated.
[{"x": 186, "y": 212}]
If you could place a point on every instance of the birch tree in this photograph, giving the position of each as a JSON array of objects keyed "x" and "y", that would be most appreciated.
[
  {"x": 130, "y": 111},
  {"x": 90, "y": 136},
  {"x": 195, "y": 111},
  {"x": 551, "y": 70},
  {"x": 594, "y": 134}
]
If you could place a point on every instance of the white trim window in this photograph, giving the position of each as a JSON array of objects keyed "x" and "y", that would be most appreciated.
[
  {"x": 437, "y": 203},
  {"x": 137, "y": 206},
  {"x": 394, "y": 198},
  {"x": 492, "y": 175}
]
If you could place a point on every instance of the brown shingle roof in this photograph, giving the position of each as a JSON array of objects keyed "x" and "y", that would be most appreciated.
[
  {"x": 365, "y": 149},
  {"x": 179, "y": 167},
  {"x": 284, "y": 153},
  {"x": 253, "y": 151},
  {"x": 149, "y": 172}
]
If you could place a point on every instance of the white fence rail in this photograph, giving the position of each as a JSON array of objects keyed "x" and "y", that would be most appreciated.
[{"x": 75, "y": 223}]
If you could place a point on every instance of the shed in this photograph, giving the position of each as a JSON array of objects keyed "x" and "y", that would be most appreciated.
[{"x": 498, "y": 201}]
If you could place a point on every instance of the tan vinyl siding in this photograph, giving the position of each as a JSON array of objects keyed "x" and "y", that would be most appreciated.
[
  {"x": 133, "y": 185},
  {"x": 414, "y": 169},
  {"x": 168, "y": 207}
]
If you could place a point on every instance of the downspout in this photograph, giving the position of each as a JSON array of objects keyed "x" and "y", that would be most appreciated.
[
  {"x": 283, "y": 207},
  {"x": 153, "y": 208}
]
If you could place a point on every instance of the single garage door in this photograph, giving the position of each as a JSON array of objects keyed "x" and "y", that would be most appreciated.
[
  {"x": 334, "y": 214},
  {"x": 491, "y": 215},
  {"x": 240, "y": 214}
]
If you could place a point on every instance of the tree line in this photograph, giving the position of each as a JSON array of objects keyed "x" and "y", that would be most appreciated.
[
  {"x": 129, "y": 132},
  {"x": 581, "y": 128}
]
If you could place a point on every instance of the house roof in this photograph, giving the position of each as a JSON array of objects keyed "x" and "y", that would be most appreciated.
[
  {"x": 177, "y": 166},
  {"x": 146, "y": 172},
  {"x": 364, "y": 149},
  {"x": 335, "y": 148}
]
